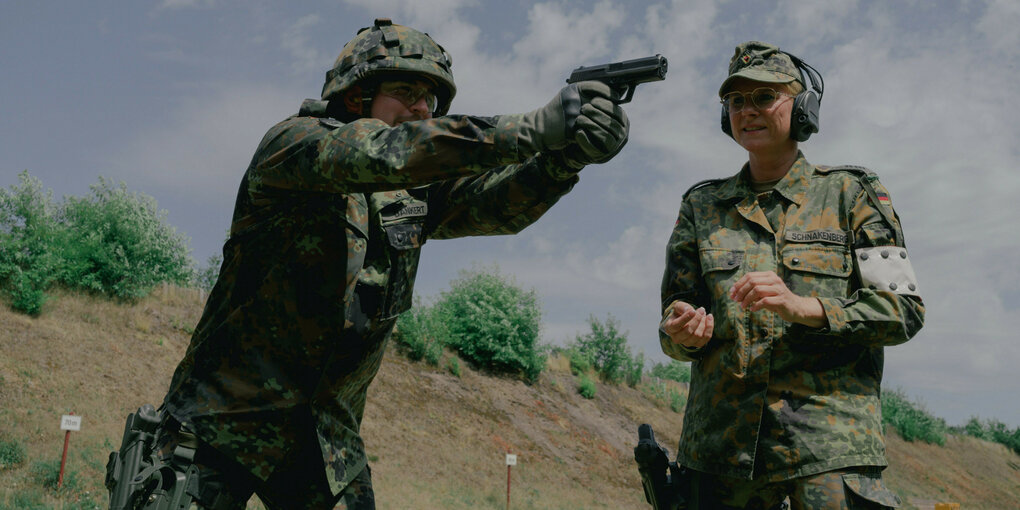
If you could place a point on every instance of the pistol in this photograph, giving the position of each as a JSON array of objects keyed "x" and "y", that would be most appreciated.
[
  {"x": 623, "y": 77},
  {"x": 666, "y": 485}
]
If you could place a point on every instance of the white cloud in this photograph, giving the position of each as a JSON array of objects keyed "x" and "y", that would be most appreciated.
[
  {"x": 184, "y": 4},
  {"x": 295, "y": 39},
  {"x": 205, "y": 147},
  {"x": 999, "y": 26}
]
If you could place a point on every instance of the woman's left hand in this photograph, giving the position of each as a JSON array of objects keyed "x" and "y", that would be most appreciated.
[{"x": 765, "y": 290}]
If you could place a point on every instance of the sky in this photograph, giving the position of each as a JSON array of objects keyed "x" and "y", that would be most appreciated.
[{"x": 171, "y": 97}]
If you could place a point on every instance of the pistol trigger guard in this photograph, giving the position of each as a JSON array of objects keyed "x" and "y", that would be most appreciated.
[
  {"x": 627, "y": 93},
  {"x": 570, "y": 100}
]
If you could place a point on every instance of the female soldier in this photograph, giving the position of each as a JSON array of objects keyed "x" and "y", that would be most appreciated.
[{"x": 783, "y": 285}]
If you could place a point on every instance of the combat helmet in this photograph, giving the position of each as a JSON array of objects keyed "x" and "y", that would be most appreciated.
[{"x": 386, "y": 48}]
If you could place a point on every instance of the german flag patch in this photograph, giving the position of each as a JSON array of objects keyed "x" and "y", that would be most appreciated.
[{"x": 883, "y": 198}]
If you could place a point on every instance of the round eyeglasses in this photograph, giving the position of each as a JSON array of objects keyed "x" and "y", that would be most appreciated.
[{"x": 762, "y": 98}]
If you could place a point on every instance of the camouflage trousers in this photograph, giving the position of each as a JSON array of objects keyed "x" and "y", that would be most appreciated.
[
  {"x": 223, "y": 484},
  {"x": 844, "y": 489}
]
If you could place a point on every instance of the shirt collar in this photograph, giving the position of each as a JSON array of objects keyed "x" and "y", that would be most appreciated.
[{"x": 793, "y": 186}]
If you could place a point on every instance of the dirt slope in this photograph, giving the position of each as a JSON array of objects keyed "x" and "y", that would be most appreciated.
[{"x": 436, "y": 441}]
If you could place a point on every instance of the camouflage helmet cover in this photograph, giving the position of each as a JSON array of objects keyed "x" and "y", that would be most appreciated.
[
  {"x": 762, "y": 62},
  {"x": 386, "y": 48}
]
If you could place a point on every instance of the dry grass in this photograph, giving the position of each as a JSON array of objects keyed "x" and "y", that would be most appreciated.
[{"x": 435, "y": 441}]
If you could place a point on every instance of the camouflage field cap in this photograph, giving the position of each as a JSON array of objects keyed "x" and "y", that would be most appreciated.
[
  {"x": 759, "y": 61},
  {"x": 386, "y": 48}
]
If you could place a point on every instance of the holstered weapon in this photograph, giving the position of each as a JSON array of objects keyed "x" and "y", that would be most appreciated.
[
  {"x": 138, "y": 479},
  {"x": 666, "y": 484}
]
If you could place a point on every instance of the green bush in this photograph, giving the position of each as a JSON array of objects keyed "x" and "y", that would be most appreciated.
[
  {"x": 606, "y": 348},
  {"x": 995, "y": 431},
  {"x": 493, "y": 323},
  {"x": 677, "y": 402},
  {"x": 118, "y": 243},
  {"x": 420, "y": 334},
  {"x": 664, "y": 394},
  {"x": 975, "y": 428},
  {"x": 674, "y": 371},
  {"x": 635, "y": 370},
  {"x": 586, "y": 386},
  {"x": 580, "y": 363},
  {"x": 453, "y": 365},
  {"x": 12, "y": 454},
  {"x": 28, "y": 243},
  {"x": 205, "y": 277},
  {"x": 113, "y": 242},
  {"x": 911, "y": 420}
]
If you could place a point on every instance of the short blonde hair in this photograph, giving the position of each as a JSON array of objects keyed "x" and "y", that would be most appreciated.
[{"x": 793, "y": 88}]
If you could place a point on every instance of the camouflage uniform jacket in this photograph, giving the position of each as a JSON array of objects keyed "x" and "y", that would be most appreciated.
[
  {"x": 321, "y": 259},
  {"x": 768, "y": 397}
]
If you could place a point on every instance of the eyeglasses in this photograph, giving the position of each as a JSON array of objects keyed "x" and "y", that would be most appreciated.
[
  {"x": 409, "y": 93},
  {"x": 762, "y": 98}
]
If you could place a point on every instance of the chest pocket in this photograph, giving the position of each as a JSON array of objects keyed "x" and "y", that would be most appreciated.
[
  {"x": 720, "y": 268},
  {"x": 403, "y": 222},
  {"x": 818, "y": 270}
]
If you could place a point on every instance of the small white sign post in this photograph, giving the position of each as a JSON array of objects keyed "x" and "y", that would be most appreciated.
[
  {"x": 511, "y": 460},
  {"x": 68, "y": 422}
]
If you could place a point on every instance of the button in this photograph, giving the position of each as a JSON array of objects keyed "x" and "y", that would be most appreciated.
[
  {"x": 764, "y": 332},
  {"x": 864, "y": 256},
  {"x": 903, "y": 254},
  {"x": 885, "y": 254},
  {"x": 795, "y": 261},
  {"x": 912, "y": 287},
  {"x": 892, "y": 286}
]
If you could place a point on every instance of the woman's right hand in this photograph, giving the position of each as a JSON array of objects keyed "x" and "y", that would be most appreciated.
[{"x": 687, "y": 326}]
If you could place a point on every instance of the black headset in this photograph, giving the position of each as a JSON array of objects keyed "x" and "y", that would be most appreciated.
[{"x": 804, "y": 119}]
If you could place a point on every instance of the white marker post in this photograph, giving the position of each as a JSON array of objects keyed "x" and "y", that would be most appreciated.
[
  {"x": 511, "y": 460},
  {"x": 68, "y": 422}
]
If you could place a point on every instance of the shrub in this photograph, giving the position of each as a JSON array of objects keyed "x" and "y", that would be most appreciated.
[
  {"x": 205, "y": 277},
  {"x": 674, "y": 371},
  {"x": 12, "y": 454},
  {"x": 635, "y": 369},
  {"x": 911, "y": 420},
  {"x": 606, "y": 347},
  {"x": 580, "y": 363},
  {"x": 113, "y": 242},
  {"x": 994, "y": 430},
  {"x": 453, "y": 365},
  {"x": 586, "y": 386},
  {"x": 28, "y": 243},
  {"x": 664, "y": 394},
  {"x": 420, "y": 334},
  {"x": 975, "y": 428},
  {"x": 677, "y": 401},
  {"x": 117, "y": 243},
  {"x": 493, "y": 323}
]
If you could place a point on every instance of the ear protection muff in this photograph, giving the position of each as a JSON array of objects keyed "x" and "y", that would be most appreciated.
[{"x": 804, "y": 118}]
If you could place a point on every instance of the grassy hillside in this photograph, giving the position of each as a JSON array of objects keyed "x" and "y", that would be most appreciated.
[{"x": 436, "y": 440}]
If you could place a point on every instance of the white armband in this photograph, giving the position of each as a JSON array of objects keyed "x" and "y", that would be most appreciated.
[{"x": 887, "y": 268}]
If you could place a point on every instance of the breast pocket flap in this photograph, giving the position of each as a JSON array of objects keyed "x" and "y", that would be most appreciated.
[
  {"x": 713, "y": 259},
  {"x": 826, "y": 260}
]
